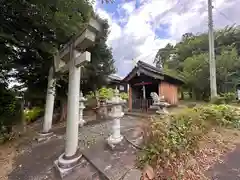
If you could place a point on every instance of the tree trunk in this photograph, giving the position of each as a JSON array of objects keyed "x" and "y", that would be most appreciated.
[
  {"x": 182, "y": 95},
  {"x": 23, "y": 120},
  {"x": 63, "y": 113},
  {"x": 190, "y": 93}
]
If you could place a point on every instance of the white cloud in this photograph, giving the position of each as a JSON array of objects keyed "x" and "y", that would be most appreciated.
[
  {"x": 137, "y": 37},
  {"x": 129, "y": 6}
]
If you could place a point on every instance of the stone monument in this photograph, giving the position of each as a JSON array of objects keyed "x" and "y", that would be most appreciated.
[
  {"x": 159, "y": 103},
  {"x": 116, "y": 113}
]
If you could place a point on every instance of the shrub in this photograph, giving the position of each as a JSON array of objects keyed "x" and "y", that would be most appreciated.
[
  {"x": 104, "y": 94},
  {"x": 229, "y": 97},
  {"x": 32, "y": 114},
  {"x": 124, "y": 96},
  {"x": 224, "y": 98},
  {"x": 179, "y": 134},
  {"x": 220, "y": 115},
  {"x": 9, "y": 113},
  {"x": 218, "y": 100}
]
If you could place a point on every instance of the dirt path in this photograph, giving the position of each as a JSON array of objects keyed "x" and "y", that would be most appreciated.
[{"x": 7, "y": 154}]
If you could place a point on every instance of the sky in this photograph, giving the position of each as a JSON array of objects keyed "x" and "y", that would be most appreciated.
[{"x": 138, "y": 28}]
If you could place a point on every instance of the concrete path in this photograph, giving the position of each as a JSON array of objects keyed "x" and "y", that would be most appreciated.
[
  {"x": 229, "y": 169},
  {"x": 36, "y": 163}
]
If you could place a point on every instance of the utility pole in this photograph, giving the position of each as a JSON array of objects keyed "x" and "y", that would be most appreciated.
[{"x": 212, "y": 64}]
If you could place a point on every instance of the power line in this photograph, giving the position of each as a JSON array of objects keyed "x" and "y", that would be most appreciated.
[{"x": 224, "y": 15}]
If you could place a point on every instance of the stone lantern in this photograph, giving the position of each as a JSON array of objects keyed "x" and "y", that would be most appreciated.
[
  {"x": 81, "y": 108},
  {"x": 116, "y": 113}
]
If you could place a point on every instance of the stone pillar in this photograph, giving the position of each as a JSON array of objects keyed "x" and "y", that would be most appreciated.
[
  {"x": 47, "y": 125},
  {"x": 48, "y": 116},
  {"x": 116, "y": 113},
  {"x": 130, "y": 98},
  {"x": 144, "y": 92},
  {"x": 71, "y": 57},
  {"x": 70, "y": 158},
  {"x": 71, "y": 143},
  {"x": 159, "y": 89},
  {"x": 81, "y": 108}
]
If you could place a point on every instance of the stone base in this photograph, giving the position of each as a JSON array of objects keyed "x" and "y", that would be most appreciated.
[
  {"x": 153, "y": 107},
  {"x": 81, "y": 123},
  {"x": 114, "y": 141},
  {"x": 42, "y": 136},
  {"x": 65, "y": 165},
  {"x": 162, "y": 111}
]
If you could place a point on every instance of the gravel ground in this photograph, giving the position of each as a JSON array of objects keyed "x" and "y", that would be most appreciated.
[{"x": 92, "y": 133}]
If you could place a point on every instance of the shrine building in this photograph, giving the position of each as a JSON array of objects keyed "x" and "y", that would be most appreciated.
[{"x": 144, "y": 79}]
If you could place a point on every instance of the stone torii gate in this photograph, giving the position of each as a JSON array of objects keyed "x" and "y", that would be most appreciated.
[{"x": 70, "y": 59}]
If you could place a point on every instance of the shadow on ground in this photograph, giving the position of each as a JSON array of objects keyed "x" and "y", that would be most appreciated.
[{"x": 37, "y": 162}]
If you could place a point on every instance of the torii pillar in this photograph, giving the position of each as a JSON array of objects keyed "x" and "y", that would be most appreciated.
[
  {"x": 71, "y": 58},
  {"x": 46, "y": 133}
]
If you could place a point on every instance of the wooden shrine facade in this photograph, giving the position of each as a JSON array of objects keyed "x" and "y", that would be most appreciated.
[{"x": 144, "y": 79}]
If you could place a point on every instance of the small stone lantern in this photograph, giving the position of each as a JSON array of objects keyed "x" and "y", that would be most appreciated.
[
  {"x": 81, "y": 108},
  {"x": 116, "y": 113}
]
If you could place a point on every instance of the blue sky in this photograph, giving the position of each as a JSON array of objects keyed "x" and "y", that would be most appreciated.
[{"x": 138, "y": 28}]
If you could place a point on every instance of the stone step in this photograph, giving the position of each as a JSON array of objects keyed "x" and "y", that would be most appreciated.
[
  {"x": 113, "y": 164},
  {"x": 84, "y": 171}
]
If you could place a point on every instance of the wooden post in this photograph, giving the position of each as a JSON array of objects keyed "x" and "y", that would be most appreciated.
[
  {"x": 159, "y": 89},
  {"x": 130, "y": 98}
]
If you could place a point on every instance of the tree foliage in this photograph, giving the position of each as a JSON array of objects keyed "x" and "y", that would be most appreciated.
[
  {"x": 190, "y": 58},
  {"x": 31, "y": 30},
  {"x": 9, "y": 112}
]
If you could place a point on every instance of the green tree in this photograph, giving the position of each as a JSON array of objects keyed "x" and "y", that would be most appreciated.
[
  {"x": 31, "y": 30},
  {"x": 189, "y": 57}
]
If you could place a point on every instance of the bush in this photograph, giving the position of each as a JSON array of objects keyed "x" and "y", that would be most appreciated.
[
  {"x": 179, "y": 135},
  {"x": 218, "y": 100},
  {"x": 124, "y": 96},
  {"x": 221, "y": 115},
  {"x": 229, "y": 97},
  {"x": 104, "y": 94},
  {"x": 224, "y": 98},
  {"x": 32, "y": 114},
  {"x": 9, "y": 112}
]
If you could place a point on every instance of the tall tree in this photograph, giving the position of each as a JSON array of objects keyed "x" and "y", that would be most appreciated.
[
  {"x": 32, "y": 29},
  {"x": 189, "y": 57}
]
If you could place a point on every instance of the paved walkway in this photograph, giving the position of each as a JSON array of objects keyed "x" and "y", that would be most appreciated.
[
  {"x": 229, "y": 169},
  {"x": 36, "y": 163}
]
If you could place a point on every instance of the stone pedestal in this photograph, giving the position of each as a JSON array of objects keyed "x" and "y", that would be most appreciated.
[
  {"x": 116, "y": 136},
  {"x": 66, "y": 165},
  {"x": 116, "y": 113},
  {"x": 44, "y": 136},
  {"x": 48, "y": 116},
  {"x": 159, "y": 104},
  {"x": 81, "y": 108}
]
